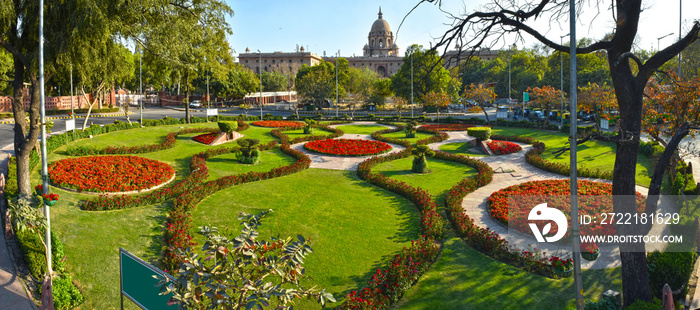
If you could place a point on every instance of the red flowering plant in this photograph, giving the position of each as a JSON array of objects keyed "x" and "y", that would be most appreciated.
[
  {"x": 447, "y": 127},
  {"x": 206, "y": 138},
  {"x": 589, "y": 247},
  {"x": 50, "y": 197},
  {"x": 561, "y": 264},
  {"x": 109, "y": 173},
  {"x": 348, "y": 147},
  {"x": 276, "y": 124},
  {"x": 503, "y": 147}
]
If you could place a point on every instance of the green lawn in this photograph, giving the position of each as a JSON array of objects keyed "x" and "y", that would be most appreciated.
[
  {"x": 293, "y": 134},
  {"x": 444, "y": 174},
  {"x": 361, "y": 129},
  {"x": 354, "y": 227},
  {"x": 591, "y": 155},
  {"x": 464, "y": 278},
  {"x": 402, "y": 135},
  {"x": 462, "y": 148},
  {"x": 228, "y": 164}
]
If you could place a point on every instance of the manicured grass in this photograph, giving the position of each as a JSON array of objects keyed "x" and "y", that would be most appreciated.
[
  {"x": 591, "y": 155},
  {"x": 464, "y": 278},
  {"x": 444, "y": 174},
  {"x": 133, "y": 137},
  {"x": 402, "y": 135},
  {"x": 354, "y": 227},
  {"x": 228, "y": 164},
  {"x": 293, "y": 134},
  {"x": 361, "y": 129},
  {"x": 462, "y": 148}
]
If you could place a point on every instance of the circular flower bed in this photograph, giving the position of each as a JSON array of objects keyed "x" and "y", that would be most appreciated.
[
  {"x": 206, "y": 138},
  {"x": 447, "y": 127},
  {"x": 594, "y": 199},
  {"x": 279, "y": 124},
  {"x": 109, "y": 173},
  {"x": 348, "y": 147},
  {"x": 499, "y": 147}
]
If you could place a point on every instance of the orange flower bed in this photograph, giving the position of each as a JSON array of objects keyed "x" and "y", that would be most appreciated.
[
  {"x": 275, "y": 124},
  {"x": 595, "y": 199},
  {"x": 109, "y": 173}
]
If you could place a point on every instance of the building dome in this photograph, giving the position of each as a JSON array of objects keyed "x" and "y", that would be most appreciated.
[
  {"x": 381, "y": 39},
  {"x": 380, "y": 25}
]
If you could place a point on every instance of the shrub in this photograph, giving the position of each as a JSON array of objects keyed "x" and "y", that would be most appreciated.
[
  {"x": 672, "y": 268},
  {"x": 228, "y": 126},
  {"x": 35, "y": 254},
  {"x": 679, "y": 180},
  {"x": 656, "y": 304},
  {"x": 11, "y": 189},
  {"x": 420, "y": 163},
  {"x": 65, "y": 294},
  {"x": 608, "y": 303},
  {"x": 652, "y": 149},
  {"x": 480, "y": 133}
]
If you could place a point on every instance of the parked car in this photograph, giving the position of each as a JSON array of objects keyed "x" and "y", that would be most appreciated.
[
  {"x": 196, "y": 104},
  {"x": 537, "y": 116},
  {"x": 587, "y": 116}
]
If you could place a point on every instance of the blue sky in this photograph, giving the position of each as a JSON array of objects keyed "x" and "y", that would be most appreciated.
[{"x": 332, "y": 25}]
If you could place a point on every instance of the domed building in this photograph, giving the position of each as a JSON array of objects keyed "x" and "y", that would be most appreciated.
[{"x": 380, "y": 39}]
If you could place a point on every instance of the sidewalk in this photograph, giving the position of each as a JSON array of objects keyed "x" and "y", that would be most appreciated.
[{"x": 13, "y": 295}]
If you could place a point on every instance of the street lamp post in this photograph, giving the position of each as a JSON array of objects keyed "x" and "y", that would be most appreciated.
[
  {"x": 261, "y": 89},
  {"x": 140, "y": 91},
  {"x": 336, "y": 83},
  {"x": 561, "y": 77},
  {"x": 680, "y": 22},
  {"x": 411, "y": 84},
  {"x": 44, "y": 163},
  {"x": 658, "y": 41},
  {"x": 509, "y": 86}
]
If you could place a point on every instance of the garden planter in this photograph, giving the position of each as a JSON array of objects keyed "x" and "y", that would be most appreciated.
[
  {"x": 50, "y": 203},
  {"x": 590, "y": 256},
  {"x": 563, "y": 273}
]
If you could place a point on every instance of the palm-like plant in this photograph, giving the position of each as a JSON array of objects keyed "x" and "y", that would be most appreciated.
[{"x": 420, "y": 163}]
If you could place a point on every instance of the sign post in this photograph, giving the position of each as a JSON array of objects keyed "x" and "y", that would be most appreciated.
[
  {"x": 137, "y": 283},
  {"x": 213, "y": 112}
]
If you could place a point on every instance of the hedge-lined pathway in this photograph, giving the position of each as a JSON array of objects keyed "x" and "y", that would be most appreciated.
[
  {"x": 476, "y": 207},
  {"x": 343, "y": 162}
]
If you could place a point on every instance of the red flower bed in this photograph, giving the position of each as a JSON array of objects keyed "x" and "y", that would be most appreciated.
[
  {"x": 499, "y": 147},
  {"x": 348, "y": 147},
  {"x": 206, "y": 138},
  {"x": 447, "y": 127},
  {"x": 594, "y": 199},
  {"x": 279, "y": 124},
  {"x": 109, "y": 173}
]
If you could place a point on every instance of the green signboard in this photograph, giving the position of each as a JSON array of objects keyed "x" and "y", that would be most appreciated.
[
  {"x": 526, "y": 96},
  {"x": 139, "y": 285}
]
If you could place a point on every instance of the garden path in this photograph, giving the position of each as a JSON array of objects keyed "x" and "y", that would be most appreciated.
[{"x": 475, "y": 204}]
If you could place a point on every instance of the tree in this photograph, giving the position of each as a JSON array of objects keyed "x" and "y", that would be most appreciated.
[
  {"x": 316, "y": 86},
  {"x": 546, "y": 98},
  {"x": 274, "y": 81},
  {"x": 597, "y": 99},
  {"x": 629, "y": 75},
  {"x": 429, "y": 74},
  {"x": 239, "y": 82},
  {"x": 438, "y": 100},
  {"x": 361, "y": 82},
  {"x": 380, "y": 90},
  {"x": 481, "y": 95},
  {"x": 243, "y": 272}
]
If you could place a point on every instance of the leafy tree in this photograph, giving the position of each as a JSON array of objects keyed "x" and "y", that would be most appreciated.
[
  {"x": 438, "y": 100},
  {"x": 597, "y": 99},
  {"x": 361, "y": 82},
  {"x": 546, "y": 98},
  {"x": 239, "y": 81},
  {"x": 629, "y": 74},
  {"x": 274, "y": 81},
  {"x": 244, "y": 272},
  {"x": 380, "y": 90},
  {"x": 316, "y": 86},
  {"x": 481, "y": 95},
  {"x": 429, "y": 74}
]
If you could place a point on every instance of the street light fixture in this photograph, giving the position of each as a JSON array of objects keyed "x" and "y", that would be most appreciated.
[
  {"x": 261, "y": 88},
  {"x": 561, "y": 77},
  {"x": 658, "y": 40}
]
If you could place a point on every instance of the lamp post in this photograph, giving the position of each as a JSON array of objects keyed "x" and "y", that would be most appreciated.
[
  {"x": 140, "y": 92},
  {"x": 658, "y": 40},
  {"x": 261, "y": 89},
  {"x": 561, "y": 77},
  {"x": 336, "y": 83},
  {"x": 44, "y": 163},
  {"x": 509, "y": 59},
  {"x": 411, "y": 84},
  {"x": 680, "y": 22}
]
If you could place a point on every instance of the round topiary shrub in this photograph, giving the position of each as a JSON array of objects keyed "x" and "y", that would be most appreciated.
[
  {"x": 228, "y": 126},
  {"x": 480, "y": 133},
  {"x": 249, "y": 151},
  {"x": 411, "y": 129},
  {"x": 308, "y": 129}
]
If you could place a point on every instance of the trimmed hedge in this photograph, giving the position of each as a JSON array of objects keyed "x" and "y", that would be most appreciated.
[
  {"x": 35, "y": 254},
  {"x": 228, "y": 126},
  {"x": 168, "y": 142},
  {"x": 482, "y": 133},
  {"x": 672, "y": 268}
]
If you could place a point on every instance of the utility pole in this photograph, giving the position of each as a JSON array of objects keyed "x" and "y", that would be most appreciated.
[
  {"x": 261, "y": 88},
  {"x": 578, "y": 286},
  {"x": 336, "y": 83},
  {"x": 561, "y": 77},
  {"x": 44, "y": 162},
  {"x": 680, "y": 23},
  {"x": 140, "y": 91},
  {"x": 411, "y": 84}
]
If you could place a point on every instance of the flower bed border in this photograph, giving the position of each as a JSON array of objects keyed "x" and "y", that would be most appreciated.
[
  {"x": 168, "y": 142},
  {"x": 299, "y": 124},
  {"x": 437, "y": 126},
  {"x": 118, "y": 193},
  {"x": 507, "y": 143},
  {"x": 204, "y": 134},
  {"x": 378, "y": 143}
]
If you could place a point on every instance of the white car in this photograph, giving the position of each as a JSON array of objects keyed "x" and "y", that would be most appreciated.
[{"x": 196, "y": 104}]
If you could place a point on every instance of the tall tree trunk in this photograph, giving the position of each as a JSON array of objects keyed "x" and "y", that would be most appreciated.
[
  {"x": 24, "y": 140},
  {"x": 629, "y": 91},
  {"x": 187, "y": 97}
]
